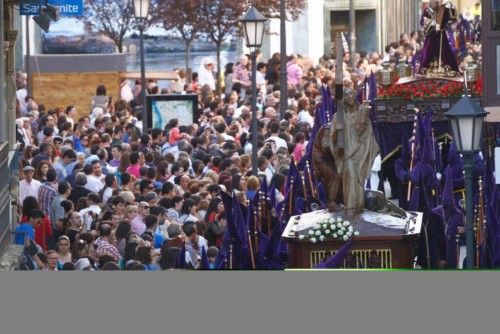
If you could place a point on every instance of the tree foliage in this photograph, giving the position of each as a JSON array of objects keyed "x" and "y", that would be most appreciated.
[
  {"x": 112, "y": 18},
  {"x": 182, "y": 17},
  {"x": 221, "y": 17}
]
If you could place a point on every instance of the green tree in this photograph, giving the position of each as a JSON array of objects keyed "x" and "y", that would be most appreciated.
[{"x": 184, "y": 18}]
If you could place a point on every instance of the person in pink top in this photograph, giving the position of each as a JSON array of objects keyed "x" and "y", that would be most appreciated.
[
  {"x": 137, "y": 224},
  {"x": 135, "y": 164},
  {"x": 300, "y": 147},
  {"x": 294, "y": 71}
]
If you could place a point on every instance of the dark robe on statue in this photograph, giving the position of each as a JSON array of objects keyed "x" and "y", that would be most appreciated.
[{"x": 436, "y": 40}]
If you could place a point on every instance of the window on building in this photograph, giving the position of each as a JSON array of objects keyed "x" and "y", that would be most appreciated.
[{"x": 495, "y": 5}]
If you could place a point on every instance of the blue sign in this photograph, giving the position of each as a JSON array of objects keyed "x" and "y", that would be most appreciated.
[{"x": 66, "y": 7}]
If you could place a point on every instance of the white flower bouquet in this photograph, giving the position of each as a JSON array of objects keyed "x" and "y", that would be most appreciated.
[{"x": 331, "y": 228}]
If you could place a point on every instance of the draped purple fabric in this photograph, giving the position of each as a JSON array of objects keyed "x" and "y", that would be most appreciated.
[{"x": 437, "y": 43}]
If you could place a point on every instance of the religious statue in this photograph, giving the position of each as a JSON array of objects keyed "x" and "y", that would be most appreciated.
[
  {"x": 437, "y": 56},
  {"x": 344, "y": 164}
]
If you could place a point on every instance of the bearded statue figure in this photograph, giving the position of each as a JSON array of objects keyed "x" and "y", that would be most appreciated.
[{"x": 343, "y": 166}]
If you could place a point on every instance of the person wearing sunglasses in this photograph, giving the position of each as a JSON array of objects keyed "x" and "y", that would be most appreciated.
[{"x": 138, "y": 224}]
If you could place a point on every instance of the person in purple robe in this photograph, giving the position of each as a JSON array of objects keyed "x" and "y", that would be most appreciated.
[
  {"x": 431, "y": 245},
  {"x": 425, "y": 185},
  {"x": 455, "y": 162},
  {"x": 437, "y": 51},
  {"x": 453, "y": 221}
]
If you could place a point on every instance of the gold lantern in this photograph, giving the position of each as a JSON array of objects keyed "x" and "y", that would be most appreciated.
[
  {"x": 404, "y": 70},
  {"x": 386, "y": 75},
  {"x": 471, "y": 72}
]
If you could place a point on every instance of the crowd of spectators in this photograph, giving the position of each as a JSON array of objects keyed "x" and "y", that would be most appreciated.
[{"x": 100, "y": 192}]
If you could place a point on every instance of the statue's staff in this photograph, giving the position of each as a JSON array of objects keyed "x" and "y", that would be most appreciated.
[
  {"x": 413, "y": 147},
  {"x": 302, "y": 177},
  {"x": 339, "y": 92},
  {"x": 231, "y": 256},
  {"x": 250, "y": 247},
  {"x": 481, "y": 222},
  {"x": 311, "y": 184},
  {"x": 256, "y": 234}
]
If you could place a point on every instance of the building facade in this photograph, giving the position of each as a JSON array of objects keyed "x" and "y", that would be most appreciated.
[
  {"x": 378, "y": 22},
  {"x": 9, "y": 13}
]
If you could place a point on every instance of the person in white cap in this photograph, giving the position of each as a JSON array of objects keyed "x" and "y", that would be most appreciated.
[
  {"x": 205, "y": 73},
  {"x": 28, "y": 186}
]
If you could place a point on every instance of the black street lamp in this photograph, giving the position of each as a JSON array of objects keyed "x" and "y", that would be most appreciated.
[
  {"x": 466, "y": 119},
  {"x": 253, "y": 25},
  {"x": 141, "y": 11}
]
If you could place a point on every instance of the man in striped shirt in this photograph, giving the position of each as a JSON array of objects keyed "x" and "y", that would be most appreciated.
[
  {"x": 47, "y": 192},
  {"x": 104, "y": 244}
]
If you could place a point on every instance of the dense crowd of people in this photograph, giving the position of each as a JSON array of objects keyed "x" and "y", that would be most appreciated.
[{"x": 101, "y": 192}]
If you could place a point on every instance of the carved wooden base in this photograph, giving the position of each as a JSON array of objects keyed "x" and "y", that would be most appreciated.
[{"x": 400, "y": 110}]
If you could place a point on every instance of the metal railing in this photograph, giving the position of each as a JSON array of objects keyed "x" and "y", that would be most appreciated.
[
  {"x": 9, "y": 183},
  {"x": 5, "y": 213}
]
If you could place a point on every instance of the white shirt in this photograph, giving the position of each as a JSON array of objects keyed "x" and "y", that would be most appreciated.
[
  {"x": 305, "y": 117},
  {"x": 21, "y": 97},
  {"x": 280, "y": 142},
  {"x": 202, "y": 243},
  {"x": 260, "y": 78},
  {"x": 227, "y": 137},
  {"x": 94, "y": 183},
  {"x": 28, "y": 189},
  {"x": 87, "y": 219},
  {"x": 269, "y": 173},
  {"x": 126, "y": 92},
  {"x": 108, "y": 192},
  {"x": 205, "y": 77}
]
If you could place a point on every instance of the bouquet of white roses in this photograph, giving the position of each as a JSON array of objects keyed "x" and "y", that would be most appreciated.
[{"x": 331, "y": 228}]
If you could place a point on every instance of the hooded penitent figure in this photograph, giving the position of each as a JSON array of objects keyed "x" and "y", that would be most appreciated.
[
  {"x": 425, "y": 185},
  {"x": 452, "y": 217}
]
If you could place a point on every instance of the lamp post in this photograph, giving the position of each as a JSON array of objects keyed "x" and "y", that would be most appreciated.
[
  {"x": 466, "y": 119},
  {"x": 141, "y": 10},
  {"x": 283, "y": 72},
  {"x": 253, "y": 25}
]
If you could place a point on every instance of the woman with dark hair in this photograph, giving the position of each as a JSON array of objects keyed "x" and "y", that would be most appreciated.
[
  {"x": 143, "y": 255},
  {"x": 128, "y": 253},
  {"x": 81, "y": 204},
  {"x": 228, "y": 78},
  {"x": 236, "y": 181},
  {"x": 300, "y": 148},
  {"x": 189, "y": 211},
  {"x": 43, "y": 231},
  {"x": 169, "y": 256},
  {"x": 122, "y": 233},
  {"x": 213, "y": 209},
  {"x": 215, "y": 227},
  {"x": 42, "y": 170},
  {"x": 83, "y": 246},
  {"x": 100, "y": 99}
]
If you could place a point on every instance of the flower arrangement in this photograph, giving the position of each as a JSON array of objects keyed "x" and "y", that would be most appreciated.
[
  {"x": 429, "y": 89},
  {"x": 331, "y": 228}
]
